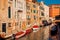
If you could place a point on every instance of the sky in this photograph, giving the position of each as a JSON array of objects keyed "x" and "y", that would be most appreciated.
[{"x": 49, "y": 2}]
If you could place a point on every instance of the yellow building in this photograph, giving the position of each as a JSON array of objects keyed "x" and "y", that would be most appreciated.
[
  {"x": 19, "y": 15},
  {"x": 28, "y": 13},
  {"x": 35, "y": 13},
  {"x": 32, "y": 13},
  {"x": 6, "y": 17},
  {"x": 12, "y": 17}
]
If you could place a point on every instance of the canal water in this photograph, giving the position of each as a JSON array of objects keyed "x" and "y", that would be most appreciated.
[{"x": 42, "y": 34}]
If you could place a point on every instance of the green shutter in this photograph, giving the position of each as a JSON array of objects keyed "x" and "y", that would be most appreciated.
[
  {"x": 9, "y": 12},
  {"x": 34, "y": 11}
]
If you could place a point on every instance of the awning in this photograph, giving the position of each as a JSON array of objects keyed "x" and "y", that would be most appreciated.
[
  {"x": 20, "y": 34},
  {"x": 35, "y": 26}
]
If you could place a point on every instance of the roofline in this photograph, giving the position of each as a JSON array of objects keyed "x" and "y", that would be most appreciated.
[{"x": 53, "y": 4}]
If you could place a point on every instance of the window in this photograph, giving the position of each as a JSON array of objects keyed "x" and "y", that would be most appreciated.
[
  {"x": 19, "y": 4},
  {"x": 16, "y": 24},
  {"x": 28, "y": 7},
  {"x": 20, "y": 24},
  {"x": 15, "y": 3},
  {"x": 4, "y": 27},
  {"x": 28, "y": 23},
  {"x": 34, "y": 6},
  {"x": 37, "y": 11},
  {"x": 42, "y": 14},
  {"x": 34, "y": 17},
  {"x": 9, "y": 24},
  {"x": 9, "y": 12},
  {"x": 41, "y": 8},
  {"x": 15, "y": 15},
  {"x": 39, "y": 17},
  {"x": 34, "y": 11},
  {"x": 31, "y": 10},
  {"x": 28, "y": 17}
]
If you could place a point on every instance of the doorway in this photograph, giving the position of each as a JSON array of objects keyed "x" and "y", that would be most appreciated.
[{"x": 4, "y": 27}]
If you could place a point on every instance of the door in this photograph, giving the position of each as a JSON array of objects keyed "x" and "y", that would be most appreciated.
[{"x": 4, "y": 27}]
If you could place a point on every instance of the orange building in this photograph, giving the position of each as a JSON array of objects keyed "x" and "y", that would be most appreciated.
[{"x": 54, "y": 10}]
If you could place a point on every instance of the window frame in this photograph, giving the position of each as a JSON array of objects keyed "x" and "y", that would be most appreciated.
[
  {"x": 9, "y": 12},
  {"x": 42, "y": 14},
  {"x": 9, "y": 25},
  {"x": 28, "y": 17}
]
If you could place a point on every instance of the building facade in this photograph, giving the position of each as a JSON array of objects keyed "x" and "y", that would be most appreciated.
[
  {"x": 7, "y": 18},
  {"x": 32, "y": 13},
  {"x": 44, "y": 10},
  {"x": 19, "y": 15},
  {"x": 13, "y": 16},
  {"x": 44, "y": 15},
  {"x": 54, "y": 10}
]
